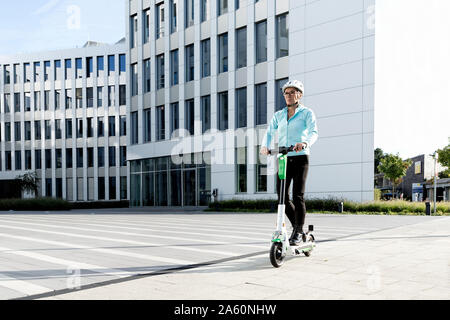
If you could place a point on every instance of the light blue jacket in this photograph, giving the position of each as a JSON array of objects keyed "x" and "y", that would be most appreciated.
[{"x": 302, "y": 127}]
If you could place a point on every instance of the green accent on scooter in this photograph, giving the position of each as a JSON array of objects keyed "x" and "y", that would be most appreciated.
[{"x": 282, "y": 167}]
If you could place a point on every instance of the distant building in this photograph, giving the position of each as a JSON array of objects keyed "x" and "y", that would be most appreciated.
[{"x": 414, "y": 184}]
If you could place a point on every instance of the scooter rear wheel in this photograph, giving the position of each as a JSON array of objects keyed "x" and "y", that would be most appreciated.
[{"x": 276, "y": 254}]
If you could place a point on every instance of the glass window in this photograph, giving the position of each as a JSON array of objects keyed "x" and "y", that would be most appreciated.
[
  {"x": 48, "y": 158},
  {"x": 47, "y": 130},
  {"x": 78, "y": 68},
  {"x": 134, "y": 127},
  {"x": 27, "y": 101},
  {"x": 37, "y": 72},
  {"x": 111, "y": 66},
  {"x": 68, "y": 128},
  {"x": 282, "y": 35},
  {"x": 206, "y": 58},
  {"x": 79, "y": 128},
  {"x": 261, "y": 41},
  {"x": 223, "y": 53},
  {"x": 46, "y": 100},
  {"x": 7, "y": 74},
  {"x": 89, "y": 67},
  {"x": 241, "y": 108},
  {"x": 241, "y": 48},
  {"x": 100, "y": 66},
  {"x": 90, "y": 97},
  {"x": 134, "y": 31},
  {"x": 17, "y": 133},
  {"x": 189, "y": 116},
  {"x": 17, "y": 102},
  {"x": 160, "y": 123},
  {"x": 111, "y": 156},
  {"x": 160, "y": 71},
  {"x": 159, "y": 21},
  {"x": 205, "y": 10},
  {"x": 18, "y": 156},
  {"x": 147, "y": 125},
  {"x": 123, "y": 188},
  {"x": 27, "y": 159},
  {"x": 146, "y": 77},
  {"x": 90, "y": 157},
  {"x": 174, "y": 67},
  {"x": 37, "y": 130},
  {"x": 189, "y": 10},
  {"x": 280, "y": 103},
  {"x": 26, "y": 72},
  {"x": 173, "y": 15},
  {"x": 89, "y": 127},
  {"x": 8, "y": 162},
  {"x": 123, "y": 125},
  {"x": 189, "y": 54},
  {"x": 58, "y": 133},
  {"x": 46, "y": 70},
  {"x": 69, "y": 160},
  {"x": 79, "y": 98},
  {"x": 101, "y": 188},
  {"x": 111, "y": 96},
  {"x": 58, "y": 158},
  {"x": 223, "y": 111},
  {"x": 222, "y": 7},
  {"x": 7, "y": 100},
  {"x": 174, "y": 119},
  {"x": 134, "y": 78},
  {"x": 111, "y": 126},
  {"x": 122, "y": 95},
  {"x": 37, "y": 159},
  {"x": 146, "y": 24},
  {"x": 27, "y": 130},
  {"x": 68, "y": 100},
  {"x": 261, "y": 103},
  {"x": 100, "y": 127},
  {"x": 68, "y": 69},
  {"x": 7, "y": 131},
  {"x": 241, "y": 169},
  {"x": 206, "y": 113},
  {"x": 112, "y": 188},
  {"x": 57, "y": 99},
  {"x": 101, "y": 156},
  {"x": 122, "y": 63},
  {"x": 57, "y": 69},
  {"x": 99, "y": 97},
  {"x": 79, "y": 157}
]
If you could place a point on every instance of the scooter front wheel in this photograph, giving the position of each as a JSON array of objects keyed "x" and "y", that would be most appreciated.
[{"x": 276, "y": 254}]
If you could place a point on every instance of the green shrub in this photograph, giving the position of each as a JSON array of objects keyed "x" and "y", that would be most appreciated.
[
  {"x": 35, "y": 204},
  {"x": 331, "y": 205}
]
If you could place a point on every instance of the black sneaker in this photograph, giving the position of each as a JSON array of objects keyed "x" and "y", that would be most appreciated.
[{"x": 298, "y": 239}]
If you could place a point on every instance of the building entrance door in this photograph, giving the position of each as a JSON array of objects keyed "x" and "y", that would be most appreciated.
[{"x": 189, "y": 184}]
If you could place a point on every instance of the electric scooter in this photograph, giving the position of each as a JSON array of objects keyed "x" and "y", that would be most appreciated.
[{"x": 280, "y": 242}]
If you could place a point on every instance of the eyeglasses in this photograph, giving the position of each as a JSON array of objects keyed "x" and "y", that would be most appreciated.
[{"x": 292, "y": 93}]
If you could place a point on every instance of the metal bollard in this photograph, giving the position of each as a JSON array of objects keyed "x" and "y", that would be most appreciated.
[
  {"x": 340, "y": 207},
  {"x": 427, "y": 208}
]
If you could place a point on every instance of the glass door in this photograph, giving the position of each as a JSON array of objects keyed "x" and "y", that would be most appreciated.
[{"x": 189, "y": 183}]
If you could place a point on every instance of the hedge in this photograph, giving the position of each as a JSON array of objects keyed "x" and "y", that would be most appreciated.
[{"x": 331, "y": 205}]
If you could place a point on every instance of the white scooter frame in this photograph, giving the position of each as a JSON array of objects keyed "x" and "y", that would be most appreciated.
[{"x": 280, "y": 242}]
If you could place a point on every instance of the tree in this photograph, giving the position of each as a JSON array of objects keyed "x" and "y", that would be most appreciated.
[
  {"x": 394, "y": 169},
  {"x": 379, "y": 154},
  {"x": 444, "y": 160},
  {"x": 28, "y": 182}
]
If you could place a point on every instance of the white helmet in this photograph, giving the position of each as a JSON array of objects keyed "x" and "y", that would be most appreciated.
[{"x": 294, "y": 84}]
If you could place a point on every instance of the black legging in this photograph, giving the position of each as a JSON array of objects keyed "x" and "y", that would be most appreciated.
[{"x": 297, "y": 170}]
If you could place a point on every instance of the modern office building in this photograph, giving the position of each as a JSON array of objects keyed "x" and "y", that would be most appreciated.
[
  {"x": 205, "y": 79},
  {"x": 63, "y": 116}
]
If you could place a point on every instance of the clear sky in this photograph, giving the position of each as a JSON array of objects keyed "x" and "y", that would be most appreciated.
[
  {"x": 412, "y": 76},
  {"x": 40, "y": 25}
]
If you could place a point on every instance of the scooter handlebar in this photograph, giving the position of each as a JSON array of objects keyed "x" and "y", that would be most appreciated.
[{"x": 281, "y": 150}]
